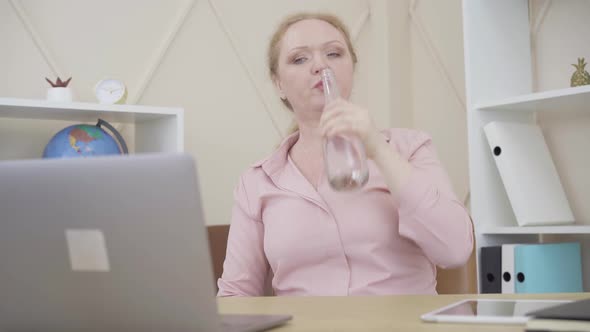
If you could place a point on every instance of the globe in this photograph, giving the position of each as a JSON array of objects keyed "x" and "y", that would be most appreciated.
[{"x": 81, "y": 140}]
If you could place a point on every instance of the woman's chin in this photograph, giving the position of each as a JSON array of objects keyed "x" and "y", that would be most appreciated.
[
  {"x": 313, "y": 107},
  {"x": 317, "y": 109},
  {"x": 317, "y": 106}
]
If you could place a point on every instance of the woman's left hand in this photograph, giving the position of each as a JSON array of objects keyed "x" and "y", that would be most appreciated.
[{"x": 341, "y": 117}]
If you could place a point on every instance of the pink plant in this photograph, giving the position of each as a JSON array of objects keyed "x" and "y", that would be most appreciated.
[{"x": 59, "y": 83}]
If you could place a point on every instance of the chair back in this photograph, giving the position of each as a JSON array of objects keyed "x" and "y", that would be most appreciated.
[
  {"x": 460, "y": 280},
  {"x": 217, "y": 247}
]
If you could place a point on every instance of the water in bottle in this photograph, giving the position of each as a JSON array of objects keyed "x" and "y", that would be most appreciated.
[{"x": 344, "y": 156}]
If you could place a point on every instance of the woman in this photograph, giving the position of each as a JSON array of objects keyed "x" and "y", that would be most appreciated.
[{"x": 290, "y": 228}]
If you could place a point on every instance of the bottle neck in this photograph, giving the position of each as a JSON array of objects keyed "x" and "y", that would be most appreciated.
[{"x": 331, "y": 91}]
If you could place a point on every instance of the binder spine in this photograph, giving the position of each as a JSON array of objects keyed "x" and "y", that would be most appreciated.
[
  {"x": 490, "y": 269},
  {"x": 508, "y": 268}
]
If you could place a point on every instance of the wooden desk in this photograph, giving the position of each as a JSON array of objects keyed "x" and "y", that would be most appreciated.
[{"x": 371, "y": 314}]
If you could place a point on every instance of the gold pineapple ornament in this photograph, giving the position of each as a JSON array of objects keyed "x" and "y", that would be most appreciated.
[{"x": 581, "y": 76}]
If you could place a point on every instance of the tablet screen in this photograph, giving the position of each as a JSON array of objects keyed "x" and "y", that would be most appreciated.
[
  {"x": 496, "y": 308},
  {"x": 489, "y": 310}
]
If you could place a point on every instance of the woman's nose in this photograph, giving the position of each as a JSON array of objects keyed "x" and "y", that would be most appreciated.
[{"x": 319, "y": 64}]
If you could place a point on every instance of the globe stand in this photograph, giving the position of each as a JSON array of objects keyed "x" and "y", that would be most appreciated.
[{"x": 115, "y": 132}]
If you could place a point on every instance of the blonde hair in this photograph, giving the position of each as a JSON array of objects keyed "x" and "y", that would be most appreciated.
[{"x": 274, "y": 45}]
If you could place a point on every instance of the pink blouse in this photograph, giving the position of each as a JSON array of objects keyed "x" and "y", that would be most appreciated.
[{"x": 323, "y": 242}]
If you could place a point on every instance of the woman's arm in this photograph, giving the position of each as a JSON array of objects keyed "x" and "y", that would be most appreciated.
[
  {"x": 245, "y": 268},
  {"x": 429, "y": 212}
]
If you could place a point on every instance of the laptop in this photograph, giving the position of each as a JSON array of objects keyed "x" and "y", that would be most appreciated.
[{"x": 108, "y": 244}]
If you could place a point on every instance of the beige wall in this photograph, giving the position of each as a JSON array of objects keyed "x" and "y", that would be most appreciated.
[
  {"x": 438, "y": 85},
  {"x": 560, "y": 38},
  {"x": 209, "y": 58},
  {"x": 205, "y": 56}
]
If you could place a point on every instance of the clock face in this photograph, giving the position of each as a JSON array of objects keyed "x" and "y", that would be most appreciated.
[{"x": 110, "y": 91}]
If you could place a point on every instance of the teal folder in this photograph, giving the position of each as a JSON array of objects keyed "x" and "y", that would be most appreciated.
[{"x": 548, "y": 268}]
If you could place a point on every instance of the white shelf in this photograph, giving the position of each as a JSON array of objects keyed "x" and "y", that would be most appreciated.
[
  {"x": 499, "y": 87},
  {"x": 76, "y": 111},
  {"x": 570, "y": 99},
  {"x": 503, "y": 230},
  {"x": 157, "y": 129}
]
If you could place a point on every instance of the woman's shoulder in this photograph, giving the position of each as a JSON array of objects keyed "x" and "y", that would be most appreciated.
[
  {"x": 257, "y": 172},
  {"x": 274, "y": 161},
  {"x": 253, "y": 172},
  {"x": 248, "y": 189},
  {"x": 407, "y": 140},
  {"x": 253, "y": 183}
]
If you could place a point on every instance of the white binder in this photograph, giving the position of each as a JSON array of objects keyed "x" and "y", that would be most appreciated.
[
  {"x": 508, "y": 268},
  {"x": 528, "y": 173}
]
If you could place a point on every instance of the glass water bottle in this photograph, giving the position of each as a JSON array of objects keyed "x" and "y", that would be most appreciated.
[{"x": 344, "y": 156}]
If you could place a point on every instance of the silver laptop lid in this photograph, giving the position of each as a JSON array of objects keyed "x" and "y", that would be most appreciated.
[{"x": 104, "y": 244}]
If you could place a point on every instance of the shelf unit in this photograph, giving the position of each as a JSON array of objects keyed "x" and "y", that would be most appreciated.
[
  {"x": 498, "y": 78},
  {"x": 564, "y": 100},
  {"x": 575, "y": 229},
  {"x": 156, "y": 129}
]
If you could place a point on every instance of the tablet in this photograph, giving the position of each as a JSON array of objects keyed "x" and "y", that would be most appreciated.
[{"x": 490, "y": 311}]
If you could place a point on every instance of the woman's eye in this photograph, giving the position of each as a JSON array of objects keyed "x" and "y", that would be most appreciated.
[
  {"x": 334, "y": 54},
  {"x": 299, "y": 60}
]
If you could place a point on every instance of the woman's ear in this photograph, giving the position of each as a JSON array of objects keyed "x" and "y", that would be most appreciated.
[{"x": 278, "y": 87}]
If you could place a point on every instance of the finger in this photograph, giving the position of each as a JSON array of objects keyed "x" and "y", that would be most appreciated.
[
  {"x": 344, "y": 129},
  {"x": 342, "y": 121},
  {"x": 334, "y": 111},
  {"x": 335, "y": 108},
  {"x": 334, "y": 116}
]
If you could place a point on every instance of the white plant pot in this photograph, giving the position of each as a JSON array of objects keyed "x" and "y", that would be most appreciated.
[{"x": 59, "y": 94}]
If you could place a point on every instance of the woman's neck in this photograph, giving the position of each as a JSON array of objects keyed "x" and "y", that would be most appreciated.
[
  {"x": 310, "y": 138},
  {"x": 307, "y": 152}
]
